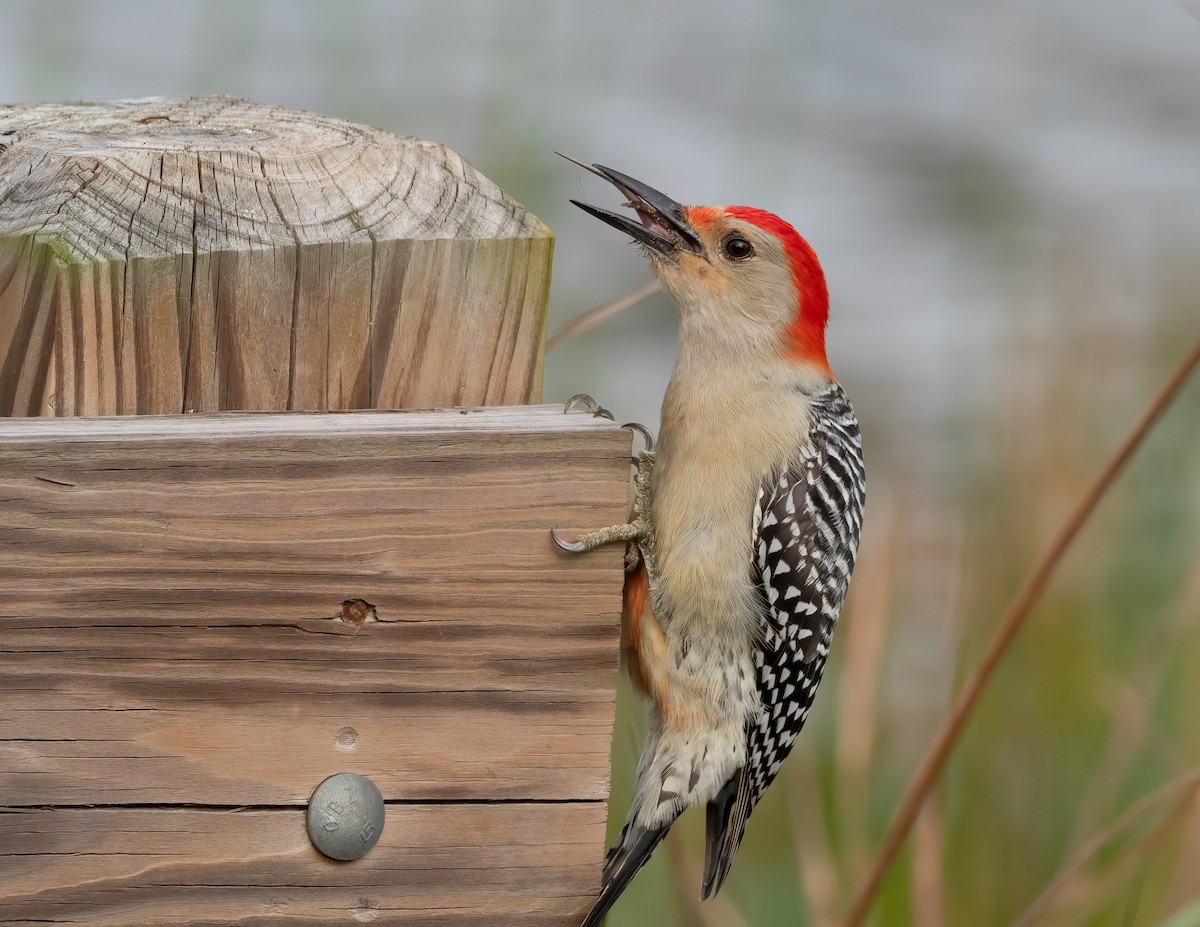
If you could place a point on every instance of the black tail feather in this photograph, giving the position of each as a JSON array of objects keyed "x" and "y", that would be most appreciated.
[
  {"x": 624, "y": 861},
  {"x": 718, "y": 820},
  {"x": 726, "y": 824}
]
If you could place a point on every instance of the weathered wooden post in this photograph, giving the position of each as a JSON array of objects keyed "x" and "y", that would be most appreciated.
[
  {"x": 169, "y": 256},
  {"x": 204, "y": 616}
]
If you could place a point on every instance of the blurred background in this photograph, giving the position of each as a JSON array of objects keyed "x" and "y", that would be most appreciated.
[{"x": 1006, "y": 199}]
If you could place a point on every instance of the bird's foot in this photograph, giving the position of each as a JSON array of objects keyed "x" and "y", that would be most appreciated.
[{"x": 637, "y": 532}]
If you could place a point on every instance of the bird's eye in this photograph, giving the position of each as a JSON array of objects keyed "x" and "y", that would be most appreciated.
[{"x": 737, "y": 248}]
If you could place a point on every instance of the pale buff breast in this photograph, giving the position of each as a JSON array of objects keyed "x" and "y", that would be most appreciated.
[{"x": 715, "y": 436}]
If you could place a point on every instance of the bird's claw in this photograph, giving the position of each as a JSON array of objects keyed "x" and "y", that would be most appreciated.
[
  {"x": 642, "y": 430},
  {"x": 588, "y": 403},
  {"x": 636, "y": 533},
  {"x": 592, "y": 406},
  {"x": 624, "y": 532},
  {"x": 571, "y": 547}
]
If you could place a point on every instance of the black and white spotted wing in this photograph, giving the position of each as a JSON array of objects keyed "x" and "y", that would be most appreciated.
[{"x": 806, "y": 529}]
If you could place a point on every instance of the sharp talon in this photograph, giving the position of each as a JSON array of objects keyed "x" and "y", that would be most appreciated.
[
  {"x": 582, "y": 398},
  {"x": 644, "y": 432},
  {"x": 588, "y": 403},
  {"x": 571, "y": 547}
]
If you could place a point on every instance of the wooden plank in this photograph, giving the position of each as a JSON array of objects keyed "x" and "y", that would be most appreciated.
[
  {"x": 220, "y": 254},
  {"x": 173, "y": 638},
  {"x": 460, "y": 865}
]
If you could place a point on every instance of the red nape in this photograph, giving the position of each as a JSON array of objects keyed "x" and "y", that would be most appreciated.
[{"x": 806, "y": 334}]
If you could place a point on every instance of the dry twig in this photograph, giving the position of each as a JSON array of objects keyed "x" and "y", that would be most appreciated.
[{"x": 600, "y": 314}]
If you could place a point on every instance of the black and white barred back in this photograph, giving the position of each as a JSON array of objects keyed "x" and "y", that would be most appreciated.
[{"x": 806, "y": 529}]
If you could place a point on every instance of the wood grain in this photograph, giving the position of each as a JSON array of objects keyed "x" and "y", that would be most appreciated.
[
  {"x": 207, "y": 254},
  {"x": 174, "y": 646},
  {"x": 516, "y": 865}
]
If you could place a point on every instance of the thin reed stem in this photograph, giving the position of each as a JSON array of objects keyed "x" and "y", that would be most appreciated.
[{"x": 947, "y": 737}]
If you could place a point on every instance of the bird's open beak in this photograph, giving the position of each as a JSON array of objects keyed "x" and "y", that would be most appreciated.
[{"x": 663, "y": 228}]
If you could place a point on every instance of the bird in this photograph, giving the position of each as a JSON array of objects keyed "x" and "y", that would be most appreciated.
[{"x": 747, "y": 516}]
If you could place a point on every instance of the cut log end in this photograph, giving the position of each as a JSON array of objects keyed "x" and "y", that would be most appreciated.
[
  {"x": 209, "y": 254},
  {"x": 146, "y": 178}
]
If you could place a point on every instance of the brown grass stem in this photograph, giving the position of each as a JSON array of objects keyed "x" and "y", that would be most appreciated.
[
  {"x": 947, "y": 737},
  {"x": 600, "y": 314}
]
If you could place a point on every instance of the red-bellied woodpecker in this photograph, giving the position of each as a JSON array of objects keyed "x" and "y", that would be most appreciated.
[{"x": 746, "y": 523}]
